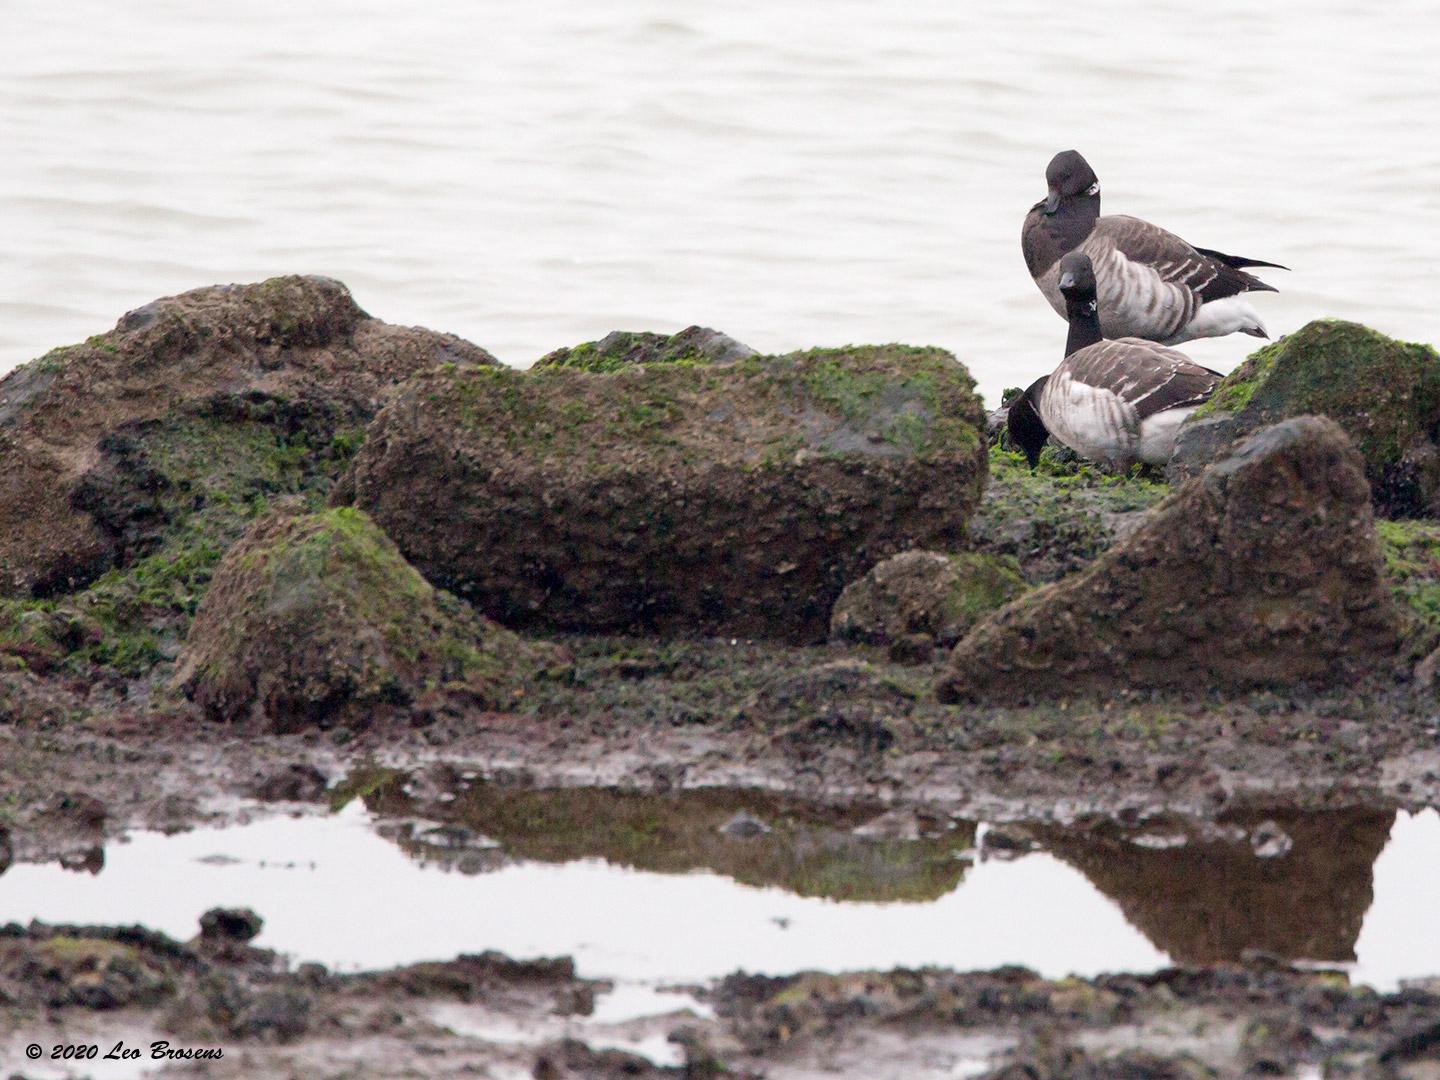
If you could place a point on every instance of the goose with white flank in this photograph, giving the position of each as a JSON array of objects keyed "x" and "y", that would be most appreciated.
[
  {"x": 1117, "y": 402},
  {"x": 1153, "y": 285}
]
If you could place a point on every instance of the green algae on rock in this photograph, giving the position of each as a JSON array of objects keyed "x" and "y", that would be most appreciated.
[
  {"x": 1411, "y": 550},
  {"x": 1384, "y": 393},
  {"x": 316, "y": 619},
  {"x": 693, "y": 345},
  {"x": 732, "y": 499},
  {"x": 295, "y": 340},
  {"x": 90, "y": 972},
  {"x": 1262, "y": 571},
  {"x": 1055, "y": 519},
  {"x": 140, "y": 456},
  {"x": 924, "y": 593}
]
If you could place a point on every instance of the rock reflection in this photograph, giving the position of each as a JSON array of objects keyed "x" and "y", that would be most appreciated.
[
  {"x": 1292, "y": 883},
  {"x": 839, "y": 853}
]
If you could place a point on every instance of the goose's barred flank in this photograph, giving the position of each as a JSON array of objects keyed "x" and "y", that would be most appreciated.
[
  {"x": 1152, "y": 284},
  {"x": 1113, "y": 401}
]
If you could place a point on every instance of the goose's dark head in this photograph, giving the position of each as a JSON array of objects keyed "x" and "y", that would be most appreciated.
[
  {"x": 1023, "y": 423},
  {"x": 1069, "y": 177},
  {"x": 1077, "y": 278}
]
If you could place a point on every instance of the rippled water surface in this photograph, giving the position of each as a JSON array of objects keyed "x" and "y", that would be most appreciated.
[{"x": 797, "y": 173}]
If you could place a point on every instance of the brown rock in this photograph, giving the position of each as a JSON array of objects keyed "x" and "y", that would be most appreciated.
[
  {"x": 1263, "y": 570},
  {"x": 693, "y": 345},
  {"x": 925, "y": 593},
  {"x": 734, "y": 499},
  {"x": 230, "y": 924},
  {"x": 296, "y": 339},
  {"x": 316, "y": 619},
  {"x": 1384, "y": 393}
]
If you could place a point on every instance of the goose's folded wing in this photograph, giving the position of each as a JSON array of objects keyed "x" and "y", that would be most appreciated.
[
  {"x": 1175, "y": 261},
  {"x": 1149, "y": 377}
]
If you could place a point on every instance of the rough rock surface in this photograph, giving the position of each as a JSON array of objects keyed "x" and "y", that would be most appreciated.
[
  {"x": 733, "y": 499},
  {"x": 1384, "y": 393},
  {"x": 924, "y": 592},
  {"x": 298, "y": 345},
  {"x": 1055, "y": 520},
  {"x": 693, "y": 345},
  {"x": 1263, "y": 570},
  {"x": 316, "y": 619}
]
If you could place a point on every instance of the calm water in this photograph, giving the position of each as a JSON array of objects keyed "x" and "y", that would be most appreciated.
[
  {"x": 650, "y": 890},
  {"x": 797, "y": 173}
]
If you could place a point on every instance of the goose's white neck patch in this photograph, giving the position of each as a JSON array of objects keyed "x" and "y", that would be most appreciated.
[{"x": 1093, "y": 189}]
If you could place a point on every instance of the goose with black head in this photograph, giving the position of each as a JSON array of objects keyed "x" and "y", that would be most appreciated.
[
  {"x": 1117, "y": 402},
  {"x": 1152, "y": 284}
]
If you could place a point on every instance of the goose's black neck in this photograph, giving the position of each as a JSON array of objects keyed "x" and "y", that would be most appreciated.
[
  {"x": 1084, "y": 315},
  {"x": 1027, "y": 430}
]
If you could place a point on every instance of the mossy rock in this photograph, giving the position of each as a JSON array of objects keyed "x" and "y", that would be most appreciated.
[
  {"x": 1411, "y": 550},
  {"x": 134, "y": 460},
  {"x": 1055, "y": 519},
  {"x": 733, "y": 499},
  {"x": 1384, "y": 393},
  {"x": 95, "y": 973},
  {"x": 1263, "y": 571},
  {"x": 291, "y": 339},
  {"x": 618, "y": 350},
  {"x": 317, "y": 620},
  {"x": 924, "y": 593}
]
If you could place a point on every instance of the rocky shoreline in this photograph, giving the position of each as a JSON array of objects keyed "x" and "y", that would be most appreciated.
[
  {"x": 254, "y": 539},
  {"x": 221, "y": 999}
]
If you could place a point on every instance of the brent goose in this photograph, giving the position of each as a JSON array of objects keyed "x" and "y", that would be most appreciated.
[
  {"x": 1153, "y": 285},
  {"x": 1119, "y": 401}
]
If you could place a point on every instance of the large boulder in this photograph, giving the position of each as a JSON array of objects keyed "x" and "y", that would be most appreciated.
[
  {"x": 733, "y": 499},
  {"x": 924, "y": 593},
  {"x": 1384, "y": 393},
  {"x": 78, "y": 426},
  {"x": 1263, "y": 570},
  {"x": 693, "y": 345},
  {"x": 316, "y": 619}
]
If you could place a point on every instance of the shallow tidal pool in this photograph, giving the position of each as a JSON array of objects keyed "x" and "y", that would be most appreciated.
[{"x": 653, "y": 890}]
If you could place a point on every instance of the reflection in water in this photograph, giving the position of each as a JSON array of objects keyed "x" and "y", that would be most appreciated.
[
  {"x": 89, "y": 860},
  {"x": 1293, "y": 883},
  {"x": 691, "y": 886},
  {"x": 1210, "y": 895},
  {"x": 753, "y": 837}
]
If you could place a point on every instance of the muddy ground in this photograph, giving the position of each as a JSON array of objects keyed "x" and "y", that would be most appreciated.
[
  {"x": 413, "y": 1021},
  {"x": 839, "y": 728}
]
